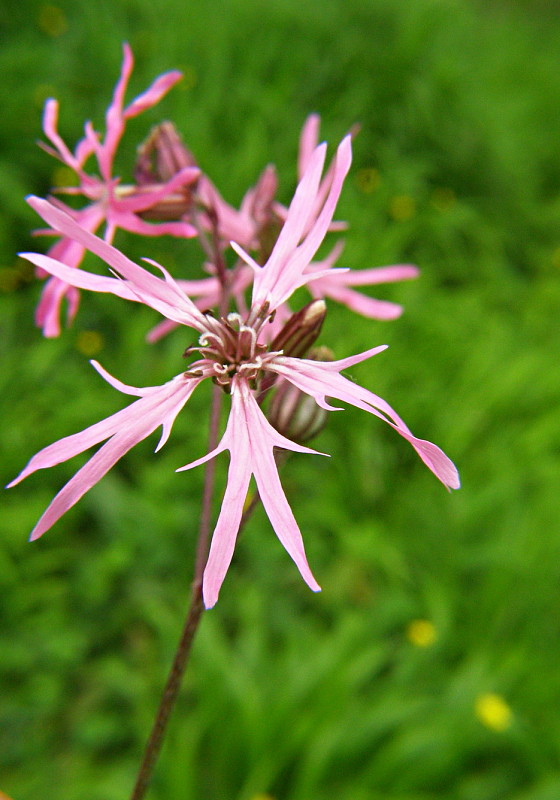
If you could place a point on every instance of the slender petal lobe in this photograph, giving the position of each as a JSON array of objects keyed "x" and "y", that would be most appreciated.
[
  {"x": 164, "y": 296},
  {"x": 321, "y": 379},
  {"x": 285, "y": 269},
  {"x": 158, "y": 405},
  {"x": 251, "y": 439}
]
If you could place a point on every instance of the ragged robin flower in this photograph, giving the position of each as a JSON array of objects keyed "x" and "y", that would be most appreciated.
[
  {"x": 234, "y": 352},
  {"x": 110, "y": 203},
  {"x": 256, "y": 226},
  {"x": 339, "y": 285}
]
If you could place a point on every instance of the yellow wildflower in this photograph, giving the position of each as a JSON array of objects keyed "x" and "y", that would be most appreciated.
[
  {"x": 421, "y": 632},
  {"x": 493, "y": 711}
]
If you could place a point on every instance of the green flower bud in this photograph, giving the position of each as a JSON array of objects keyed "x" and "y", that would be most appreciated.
[{"x": 301, "y": 330}]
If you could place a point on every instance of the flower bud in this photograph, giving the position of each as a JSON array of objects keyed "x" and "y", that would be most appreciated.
[
  {"x": 159, "y": 159},
  {"x": 301, "y": 330},
  {"x": 259, "y": 204},
  {"x": 161, "y": 156},
  {"x": 294, "y": 414},
  {"x": 262, "y": 196}
]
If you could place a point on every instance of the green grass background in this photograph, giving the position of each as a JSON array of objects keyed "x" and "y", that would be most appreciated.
[{"x": 290, "y": 694}]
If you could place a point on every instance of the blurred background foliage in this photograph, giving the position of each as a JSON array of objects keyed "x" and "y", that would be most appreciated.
[{"x": 428, "y": 666}]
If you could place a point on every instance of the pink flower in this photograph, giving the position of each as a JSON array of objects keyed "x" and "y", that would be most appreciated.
[
  {"x": 235, "y": 353},
  {"x": 109, "y": 202},
  {"x": 255, "y": 212},
  {"x": 163, "y": 154},
  {"x": 258, "y": 210},
  {"x": 336, "y": 284},
  {"x": 255, "y": 220},
  {"x": 303, "y": 232}
]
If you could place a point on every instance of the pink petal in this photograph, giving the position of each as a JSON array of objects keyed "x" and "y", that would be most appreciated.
[
  {"x": 335, "y": 282},
  {"x": 66, "y": 250},
  {"x": 249, "y": 260},
  {"x": 151, "y": 96},
  {"x": 141, "y": 200},
  {"x": 134, "y": 224},
  {"x": 375, "y": 275},
  {"x": 232, "y": 224},
  {"x": 308, "y": 141},
  {"x": 314, "y": 238},
  {"x": 94, "y": 144},
  {"x": 285, "y": 269},
  {"x": 135, "y": 391},
  {"x": 227, "y": 525},
  {"x": 114, "y": 112},
  {"x": 50, "y": 128},
  {"x": 70, "y": 446},
  {"x": 206, "y": 294},
  {"x": 114, "y": 120},
  {"x": 263, "y": 437},
  {"x": 47, "y": 313},
  {"x": 70, "y": 276},
  {"x": 257, "y": 202},
  {"x": 158, "y": 406},
  {"x": 160, "y": 330},
  {"x": 83, "y": 151},
  {"x": 272, "y": 494},
  {"x": 351, "y": 361},
  {"x": 250, "y": 439},
  {"x": 319, "y": 380},
  {"x": 329, "y": 261},
  {"x": 355, "y": 301},
  {"x": 163, "y": 296},
  {"x": 290, "y": 235},
  {"x": 72, "y": 302}
]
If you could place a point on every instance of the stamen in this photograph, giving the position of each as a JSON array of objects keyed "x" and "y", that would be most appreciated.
[
  {"x": 230, "y": 346},
  {"x": 242, "y": 349},
  {"x": 208, "y": 337},
  {"x": 222, "y": 369},
  {"x": 233, "y": 317}
]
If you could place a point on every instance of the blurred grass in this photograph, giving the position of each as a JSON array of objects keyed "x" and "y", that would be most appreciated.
[{"x": 300, "y": 696}]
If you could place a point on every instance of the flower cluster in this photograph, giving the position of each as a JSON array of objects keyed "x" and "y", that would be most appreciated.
[{"x": 250, "y": 343}]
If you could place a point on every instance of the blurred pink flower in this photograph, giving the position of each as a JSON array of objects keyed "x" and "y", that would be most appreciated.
[
  {"x": 258, "y": 209},
  {"x": 110, "y": 202},
  {"x": 233, "y": 352},
  {"x": 255, "y": 212},
  {"x": 306, "y": 224},
  {"x": 256, "y": 219},
  {"x": 336, "y": 284}
]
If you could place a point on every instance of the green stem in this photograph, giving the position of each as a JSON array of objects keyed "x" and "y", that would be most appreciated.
[{"x": 170, "y": 693}]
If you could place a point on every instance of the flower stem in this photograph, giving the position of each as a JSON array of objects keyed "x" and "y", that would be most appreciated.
[
  {"x": 194, "y": 615},
  {"x": 170, "y": 693}
]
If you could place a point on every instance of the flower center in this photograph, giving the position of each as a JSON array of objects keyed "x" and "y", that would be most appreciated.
[{"x": 227, "y": 348}]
